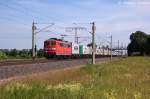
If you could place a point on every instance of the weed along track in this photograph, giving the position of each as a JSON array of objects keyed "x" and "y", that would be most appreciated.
[
  {"x": 126, "y": 78},
  {"x": 7, "y": 71}
]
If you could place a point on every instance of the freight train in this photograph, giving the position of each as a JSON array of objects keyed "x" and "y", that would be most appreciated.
[{"x": 56, "y": 48}]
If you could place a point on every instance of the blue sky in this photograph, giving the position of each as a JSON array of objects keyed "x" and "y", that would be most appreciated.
[{"x": 117, "y": 17}]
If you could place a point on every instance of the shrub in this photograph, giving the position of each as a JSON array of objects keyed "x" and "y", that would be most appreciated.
[{"x": 2, "y": 55}]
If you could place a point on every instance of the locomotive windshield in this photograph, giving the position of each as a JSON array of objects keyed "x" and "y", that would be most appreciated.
[
  {"x": 46, "y": 44},
  {"x": 53, "y": 43},
  {"x": 49, "y": 43}
]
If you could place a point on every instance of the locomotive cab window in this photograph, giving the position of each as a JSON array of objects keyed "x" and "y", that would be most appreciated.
[
  {"x": 69, "y": 45},
  {"x": 64, "y": 45},
  {"x": 46, "y": 44},
  {"x": 61, "y": 44},
  {"x": 53, "y": 43}
]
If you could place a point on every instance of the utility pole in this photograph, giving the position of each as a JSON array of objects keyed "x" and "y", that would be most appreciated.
[
  {"x": 121, "y": 49},
  {"x": 33, "y": 40},
  {"x": 118, "y": 47},
  {"x": 34, "y": 32},
  {"x": 111, "y": 47},
  {"x": 93, "y": 42},
  {"x": 76, "y": 32},
  {"x": 76, "y": 35},
  {"x": 78, "y": 39}
]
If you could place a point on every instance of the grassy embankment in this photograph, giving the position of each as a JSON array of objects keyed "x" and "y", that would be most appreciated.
[{"x": 123, "y": 79}]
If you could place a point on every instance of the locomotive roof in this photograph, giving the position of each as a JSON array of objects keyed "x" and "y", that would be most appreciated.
[{"x": 58, "y": 40}]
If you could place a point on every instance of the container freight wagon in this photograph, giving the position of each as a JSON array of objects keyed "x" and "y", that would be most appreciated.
[
  {"x": 84, "y": 51},
  {"x": 75, "y": 50},
  {"x": 99, "y": 52}
]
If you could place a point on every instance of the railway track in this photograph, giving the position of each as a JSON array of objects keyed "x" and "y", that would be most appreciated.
[
  {"x": 23, "y": 61},
  {"x": 19, "y": 69},
  {"x": 30, "y": 61}
]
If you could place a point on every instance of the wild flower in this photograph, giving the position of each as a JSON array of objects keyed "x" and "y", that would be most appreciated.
[
  {"x": 110, "y": 95},
  {"x": 137, "y": 95},
  {"x": 17, "y": 86},
  {"x": 71, "y": 87}
]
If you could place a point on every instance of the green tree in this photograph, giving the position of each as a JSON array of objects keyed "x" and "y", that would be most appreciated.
[
  {"x": 13, "y": 53},
  {"x": 148, "y": 45},
  {"x": 138, "y": 43},
  {"x": 2, "y": 55},
  {"x": 40, "y": 53},
  {"x": 24, "y": 53}
]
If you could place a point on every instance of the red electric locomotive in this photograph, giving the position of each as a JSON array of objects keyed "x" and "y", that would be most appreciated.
[{"x": 54, "y": 47}]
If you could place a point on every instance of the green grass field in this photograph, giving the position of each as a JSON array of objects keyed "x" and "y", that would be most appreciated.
[{"x": 127, "y": 78}]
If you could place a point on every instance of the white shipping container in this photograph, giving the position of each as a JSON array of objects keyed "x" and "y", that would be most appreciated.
[
  {"x": 105, "y": 52},
  {"x": 86, "y": 50},
  {"x": 99, "y": 51},
  {"x": 90, "y": 50},
  {"x": 114, "y": 53},
  {"x": 75, "y": 48}
]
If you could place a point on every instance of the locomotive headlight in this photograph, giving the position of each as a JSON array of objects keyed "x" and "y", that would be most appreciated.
[{"x": 53, "y": 48}]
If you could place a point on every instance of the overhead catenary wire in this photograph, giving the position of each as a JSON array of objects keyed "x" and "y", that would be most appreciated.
[{"x": 20, "y": 10}]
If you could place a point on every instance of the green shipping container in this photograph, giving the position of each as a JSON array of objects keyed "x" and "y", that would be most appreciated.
[{"x": 81, "y": 49}]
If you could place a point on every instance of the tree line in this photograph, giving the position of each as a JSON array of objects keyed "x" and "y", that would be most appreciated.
[
  {"x": 24, "y": 53},
  {"x": 140, "y": 44}
]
